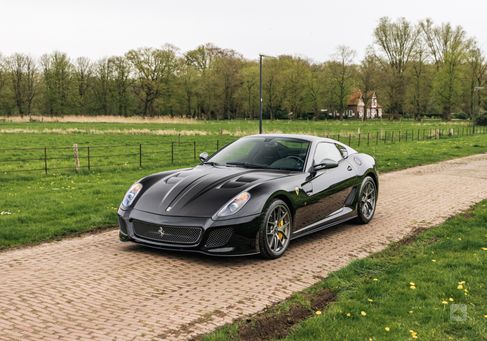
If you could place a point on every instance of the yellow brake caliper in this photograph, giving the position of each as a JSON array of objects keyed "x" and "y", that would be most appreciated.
[{"x": 280, "y": 235}]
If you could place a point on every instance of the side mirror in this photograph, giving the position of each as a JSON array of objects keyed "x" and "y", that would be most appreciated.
[
  {"x": 203, "y": 156},
  {"x": 325, "y": 164}
]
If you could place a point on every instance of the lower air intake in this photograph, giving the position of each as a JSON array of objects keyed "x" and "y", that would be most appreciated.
[{"x": 219, "y": 237}]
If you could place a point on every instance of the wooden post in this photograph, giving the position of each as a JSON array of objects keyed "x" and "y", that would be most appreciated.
[
  {"x": 45, "y": 160},
  {"x": 172, "y": 152},
  {"x": 140, "y": 155},
  {"x": 76, "y": 157},
  {"x": 89, "y": 161},
  {"x": 349, "y": 139}
]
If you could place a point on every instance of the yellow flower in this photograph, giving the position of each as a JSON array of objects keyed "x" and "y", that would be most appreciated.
[
  {"x": 363, "y": 313},
  {"x": 450, "y": 299},
  {"x": 375, "y": 279},
  {"x": 460, "y": 287},
  {"x": 412, "y": 283},
  {"x": 318, "y": 312},
  {"x": 370, "y": 300},
  {"x": 461, "y": 282},
  {"x": 348, "y": 314},
  {"x": 485, "y": 316},
  {"x": 459, "y": 238},
  {"x": 433, "y": 260},
  {"x": 444, "y": 302},
  {"x": 414, "y": 335},
  {"x": 412, "y": 287},
  {"x": 410, "y": 311},
  {"x": 483, "y": 248},
  {"x": 387, "y": 329}
]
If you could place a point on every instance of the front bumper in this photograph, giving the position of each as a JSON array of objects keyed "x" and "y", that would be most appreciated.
[{"x": 218, "y": 237}]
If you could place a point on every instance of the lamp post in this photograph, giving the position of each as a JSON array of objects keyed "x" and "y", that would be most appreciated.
[{"x": 261, "y": 102}]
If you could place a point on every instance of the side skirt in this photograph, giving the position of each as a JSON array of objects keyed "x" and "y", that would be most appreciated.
[{"x": 324, "y": 224}]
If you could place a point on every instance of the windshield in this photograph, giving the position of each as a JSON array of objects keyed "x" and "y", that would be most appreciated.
[{"x": 264, "y": 152}]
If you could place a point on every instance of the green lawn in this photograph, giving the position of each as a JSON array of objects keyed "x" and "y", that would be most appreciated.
[{"x": 432, "y": 288}]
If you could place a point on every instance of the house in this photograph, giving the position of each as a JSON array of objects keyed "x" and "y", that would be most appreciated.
[{"x": 357, "y": 107}]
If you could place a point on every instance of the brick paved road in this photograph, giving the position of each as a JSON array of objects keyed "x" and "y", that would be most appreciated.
[{"x": 95, "y": 287}]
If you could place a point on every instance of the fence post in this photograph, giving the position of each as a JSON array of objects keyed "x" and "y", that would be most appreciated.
[
  {"x": 140, "y": 155},
  {"x": 377, "y": 138},
  {"x": 338, "y": 137},
  {"x": 418, "y": 134},
  {"x": 172, "y": 152},
  {"x": 89, "y": 162},
  {"x": 406, "y": 135},
  {"x": 45, "y": 160},
  {"x": 359, "y": 139},
  {"x": 217, "y": 145},
  {"x": 368, "y": 138},
  {"x": 76, "y": 157},
  {"x": 349, "y": 139},
  {"x": 392, "y": 137},
  {"x": 194, "y": 150}
]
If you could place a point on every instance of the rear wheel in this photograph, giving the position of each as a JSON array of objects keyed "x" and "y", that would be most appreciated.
[
  {"x": 275, "y": 230},
  {"x": 367, "y": 201}
]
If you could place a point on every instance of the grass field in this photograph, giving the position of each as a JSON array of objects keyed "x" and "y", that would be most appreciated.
[
  {"x": 36, "y": 208},
  {"x": 431, "y": 288}
]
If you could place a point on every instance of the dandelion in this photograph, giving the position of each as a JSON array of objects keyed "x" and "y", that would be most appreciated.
[
  {"x": 376, "y": 279},
  {"x": 370, "y": 300},
  {"x": 5, "y": 213},
  {"x": 318, "y": 312},
  {"x": 410, "y": 311},
  {"x": 433, "y": 260},
  {"x": 363, "y": 313},
  {"x": 348, "y": 314},
  {"x": 450, "y": 299},
  {"x": 459, "y": 238},
  {"x": 414, "y": 335},
  {"x": 460, "y": 287},
  {"x": 485, "y": 316},
  {"x": 412, "y": 287},
  {"x": 483, "y": 248},
  {"x": 387, "y": 329},
  {"x": 412, "y": 284},
  {"x": 444, "y": 302}
]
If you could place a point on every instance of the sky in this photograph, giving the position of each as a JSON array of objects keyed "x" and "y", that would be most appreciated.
[{"x": 308, "y": 28}]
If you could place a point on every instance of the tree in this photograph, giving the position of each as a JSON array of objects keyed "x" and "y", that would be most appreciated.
[
  {"x": 83, "y": 72},
  {"x": 449, "y": 47},
  {"x": 341, "y": 71},
  {"x": 474, "y": 73},
  {"x": 368, "y": 76},
  {"x": 396, "y": 42},
  {"x": 57, "y": 70},
  {"x": 152, "y": 68},
  {"x": 22, "y": 71},
  {"x": 122, "y": 82}
]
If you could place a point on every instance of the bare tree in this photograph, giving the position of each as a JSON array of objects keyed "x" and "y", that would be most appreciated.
[
  {"x": 121, "y": 69},
  {"x": 368, "y": 75}
]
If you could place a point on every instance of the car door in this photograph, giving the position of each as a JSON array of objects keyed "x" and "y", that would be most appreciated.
[{"x": 327, "y": 189}]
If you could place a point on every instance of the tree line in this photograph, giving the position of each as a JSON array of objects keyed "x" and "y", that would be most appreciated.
[{"x": 416, "y": 69}]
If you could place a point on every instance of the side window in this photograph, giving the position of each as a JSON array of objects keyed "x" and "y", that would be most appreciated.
[
  {"x": 342, "y": 150},
  {"x": 326, "y": 150}
]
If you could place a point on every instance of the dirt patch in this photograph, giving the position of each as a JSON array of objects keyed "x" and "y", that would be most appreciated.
[{"x": 271, "y": 324}]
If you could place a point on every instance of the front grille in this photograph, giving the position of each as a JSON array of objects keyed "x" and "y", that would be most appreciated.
[
  {"x": 219, "y": 237},
  {"x": 168, "y": 234},
  {"x": 122, "y": 225}
]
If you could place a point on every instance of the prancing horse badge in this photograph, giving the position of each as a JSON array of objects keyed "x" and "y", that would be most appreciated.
[{"x": 296, "y": 189}]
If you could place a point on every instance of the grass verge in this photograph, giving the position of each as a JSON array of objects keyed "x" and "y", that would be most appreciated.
[{"x": 429, "y": 287}]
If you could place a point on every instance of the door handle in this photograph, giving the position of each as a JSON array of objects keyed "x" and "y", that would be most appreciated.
[{"x": 349, "y": 168}]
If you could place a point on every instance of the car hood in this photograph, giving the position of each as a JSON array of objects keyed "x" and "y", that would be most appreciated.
[{"x": 200, "y": 191}]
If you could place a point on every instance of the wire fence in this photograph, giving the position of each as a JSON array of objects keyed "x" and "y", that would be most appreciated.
[{"x": 78, "y": 158}]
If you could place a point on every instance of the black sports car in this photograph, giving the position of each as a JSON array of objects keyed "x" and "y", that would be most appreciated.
[{"x": 253, "y": 196}]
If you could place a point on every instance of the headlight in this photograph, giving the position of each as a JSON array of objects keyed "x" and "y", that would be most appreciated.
[
  {"x": 234, "y": 205},
  {"x": 129, "y": 197}
]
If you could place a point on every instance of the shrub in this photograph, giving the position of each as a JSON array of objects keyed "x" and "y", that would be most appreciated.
[
  {"x": 460, "y": 116},
  {"x": 481, "y": 120}
]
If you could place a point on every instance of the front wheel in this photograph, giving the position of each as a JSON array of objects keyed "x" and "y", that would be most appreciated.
[
  {"x": 367, "y": 201},
  {"x": 275, "y": 230}
]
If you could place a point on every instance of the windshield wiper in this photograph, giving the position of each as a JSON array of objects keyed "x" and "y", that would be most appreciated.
[
  {"x": 211, "y": 163},
  {"x": 244, "y": 164}
]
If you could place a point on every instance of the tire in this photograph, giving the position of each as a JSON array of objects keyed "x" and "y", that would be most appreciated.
[
  {"x": 275, "y": 230},
  {"x": 367, "y": 201}
]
